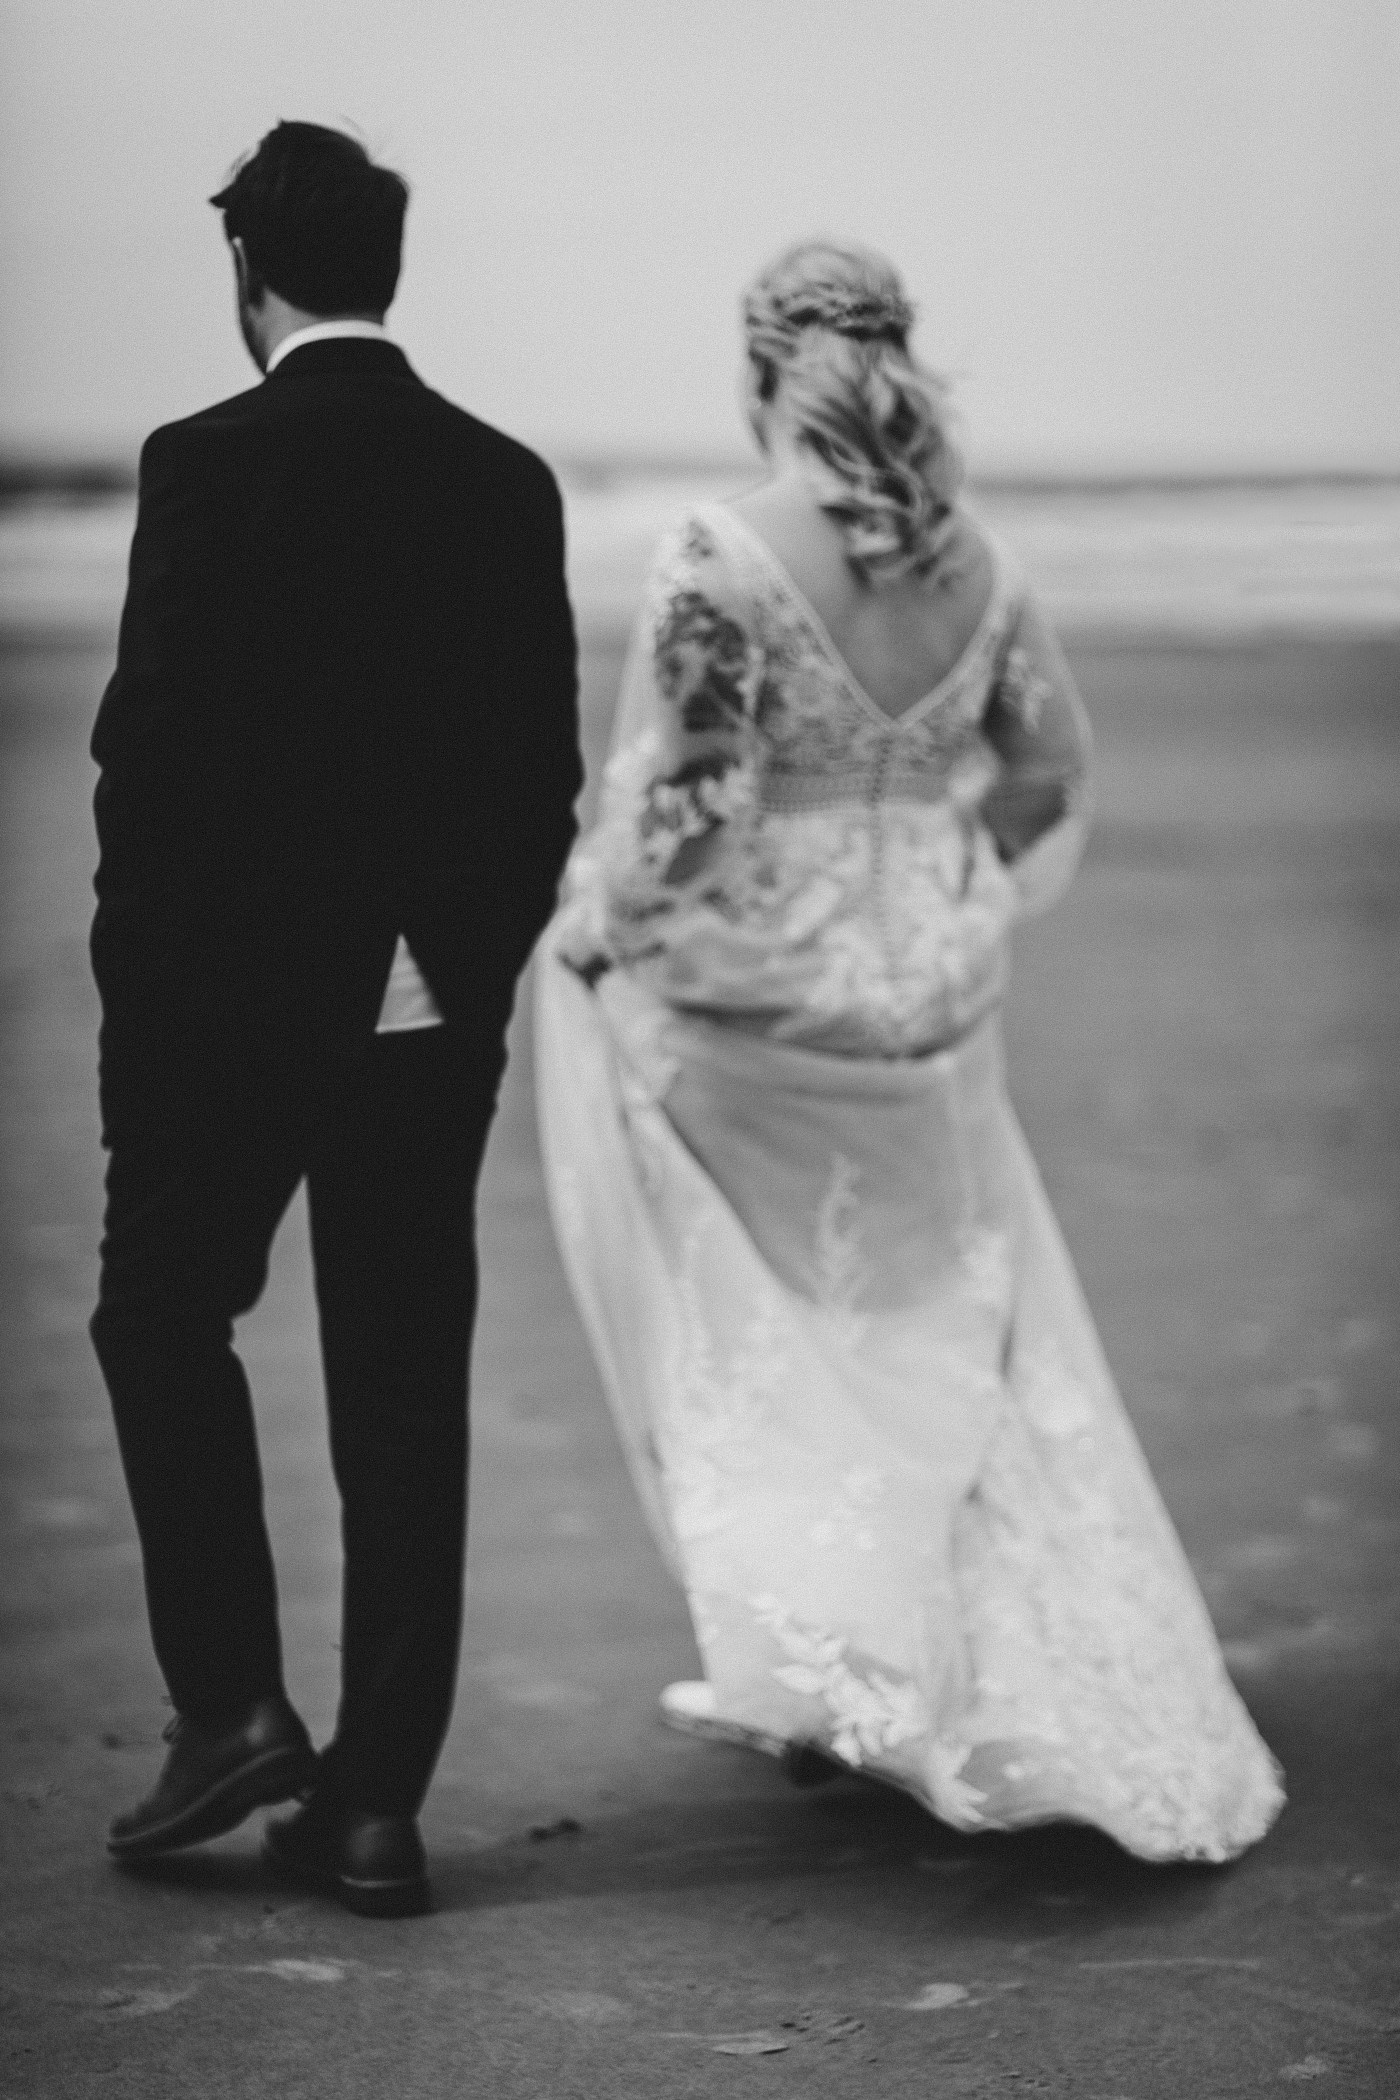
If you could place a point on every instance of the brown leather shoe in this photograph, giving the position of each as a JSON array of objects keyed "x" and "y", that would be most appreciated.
[
  {"x": 374, "y": 1865},
  {"x": 213, "y": 1779}
]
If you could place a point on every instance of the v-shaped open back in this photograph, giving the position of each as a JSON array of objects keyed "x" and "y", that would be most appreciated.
[{"x": 727, "y": 522}]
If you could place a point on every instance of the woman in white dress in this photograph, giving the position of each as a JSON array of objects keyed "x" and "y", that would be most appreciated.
[{"x": 860, "y": 1393}]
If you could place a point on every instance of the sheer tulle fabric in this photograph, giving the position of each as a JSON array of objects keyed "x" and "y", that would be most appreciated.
[{"x": 859, "y": 1391}]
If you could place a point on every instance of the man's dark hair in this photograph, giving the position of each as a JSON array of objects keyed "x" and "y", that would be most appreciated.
[{"x": 320, "y": 224}]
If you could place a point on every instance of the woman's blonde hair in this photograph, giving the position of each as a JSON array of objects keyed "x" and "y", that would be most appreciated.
[{"x": 830, "y": 324}]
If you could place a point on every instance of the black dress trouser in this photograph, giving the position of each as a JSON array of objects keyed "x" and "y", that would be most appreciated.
[{"x": 388, "y": 1134}]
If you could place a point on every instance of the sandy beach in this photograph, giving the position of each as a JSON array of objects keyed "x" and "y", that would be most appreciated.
[{"x": 1203, "y": 1048}]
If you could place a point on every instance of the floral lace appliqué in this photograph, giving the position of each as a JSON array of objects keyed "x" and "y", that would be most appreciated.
[
  {"x": 872, "y": 1712},
  {"x": 838, "y": 1262},
  {"x": 1022, "y": 690}
]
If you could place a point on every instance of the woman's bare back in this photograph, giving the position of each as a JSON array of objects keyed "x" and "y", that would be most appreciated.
[{"x": 898, "y": 639}]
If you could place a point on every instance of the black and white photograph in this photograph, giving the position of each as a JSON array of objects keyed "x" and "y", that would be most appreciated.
[{"x": 700, "y": 1049}]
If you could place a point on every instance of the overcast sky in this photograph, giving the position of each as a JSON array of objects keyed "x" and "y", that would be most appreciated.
[{"x": 1151, "y": 234}]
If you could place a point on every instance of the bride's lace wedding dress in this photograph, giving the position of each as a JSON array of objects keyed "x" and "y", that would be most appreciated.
[{"x": 860, "y": 1393}]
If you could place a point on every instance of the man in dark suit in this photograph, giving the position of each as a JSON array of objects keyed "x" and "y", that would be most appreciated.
[{"x": 338, "y": 762}]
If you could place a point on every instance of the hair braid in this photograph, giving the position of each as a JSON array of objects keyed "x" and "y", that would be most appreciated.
[{"x": 831, "y": 325}]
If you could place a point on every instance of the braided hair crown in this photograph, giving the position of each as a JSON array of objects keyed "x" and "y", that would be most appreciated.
[
  {"x": 828, "y": 325},
  {"x": 871, "y": 313}
]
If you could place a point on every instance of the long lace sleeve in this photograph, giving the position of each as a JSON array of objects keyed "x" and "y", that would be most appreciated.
[
  {"x": 680, "y": 782},
  {"x": 1039, "y": 808}
]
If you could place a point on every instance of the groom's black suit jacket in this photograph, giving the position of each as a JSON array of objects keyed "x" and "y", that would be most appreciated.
[{"x": 343, "y": 708}]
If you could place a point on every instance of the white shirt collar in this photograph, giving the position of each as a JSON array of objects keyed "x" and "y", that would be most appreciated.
[{"x": 327, "y": 332}]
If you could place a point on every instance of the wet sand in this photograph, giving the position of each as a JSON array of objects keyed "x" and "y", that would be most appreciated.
[{"x": 1203, "y": 1048}]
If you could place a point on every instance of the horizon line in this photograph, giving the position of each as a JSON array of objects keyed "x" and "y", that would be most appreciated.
[{"x": 40, "y": 473}]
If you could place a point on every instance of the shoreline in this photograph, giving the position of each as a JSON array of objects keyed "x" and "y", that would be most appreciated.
[{"x": 1213, "y": 564}]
